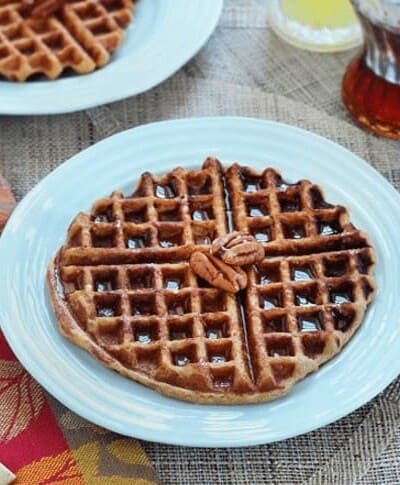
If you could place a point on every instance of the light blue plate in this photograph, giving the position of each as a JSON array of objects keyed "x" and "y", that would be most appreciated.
[
  {"x": 163, "y": 36},
  {"x": 38, "y": 227}
]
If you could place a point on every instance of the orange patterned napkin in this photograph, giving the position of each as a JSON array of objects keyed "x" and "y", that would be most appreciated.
[
  {"x": 7, "y": 202},
  {"x": 41, "y": 442}
]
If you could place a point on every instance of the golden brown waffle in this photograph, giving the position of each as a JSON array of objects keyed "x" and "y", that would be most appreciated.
[
  {"x": 123, "y": 289},
  {"x": 81, "y": 35}
]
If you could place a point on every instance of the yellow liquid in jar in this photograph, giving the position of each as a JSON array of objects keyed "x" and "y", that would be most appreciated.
[{"x": 331, "y": 14}]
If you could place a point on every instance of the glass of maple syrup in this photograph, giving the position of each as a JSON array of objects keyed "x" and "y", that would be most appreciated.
[{"x": 371, "y": 84}]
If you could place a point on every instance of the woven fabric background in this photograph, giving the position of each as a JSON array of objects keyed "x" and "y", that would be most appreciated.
[{"x": 235, "y": 74}]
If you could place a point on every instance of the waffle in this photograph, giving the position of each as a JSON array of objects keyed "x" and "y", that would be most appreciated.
[
  {"x": 81, "y": 35},
  {"x": 123, "y": 289}
]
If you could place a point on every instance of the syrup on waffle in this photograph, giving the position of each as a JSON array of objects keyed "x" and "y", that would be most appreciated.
[
  {"x": 123, "y": 289},
  {"x": 77, "y": 34}
]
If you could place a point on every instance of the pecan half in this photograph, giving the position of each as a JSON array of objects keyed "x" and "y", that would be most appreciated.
[
  {"x": 41, "y": 9},
  {"x": 218, "y": 273},
  {"x": 237, "y": 249}
]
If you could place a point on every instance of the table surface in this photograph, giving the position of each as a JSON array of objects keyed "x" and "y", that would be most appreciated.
[{"x": 243, "y": 57}]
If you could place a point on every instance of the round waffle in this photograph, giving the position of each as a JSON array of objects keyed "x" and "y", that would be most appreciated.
[
  {"x": 123, "y": 289},
  {"x": 79, "y": 34}
]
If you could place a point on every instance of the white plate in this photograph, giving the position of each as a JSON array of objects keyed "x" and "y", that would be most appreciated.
[
  {"x": 38, "y": 226},
  {"x": 163, "y": 36}
]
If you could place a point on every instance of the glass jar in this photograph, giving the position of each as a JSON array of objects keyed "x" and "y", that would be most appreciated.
[{"x": 371, "y": 84}]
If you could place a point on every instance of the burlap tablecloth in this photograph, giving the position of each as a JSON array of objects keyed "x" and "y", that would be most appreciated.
[{"x": 231, "y": 76}]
